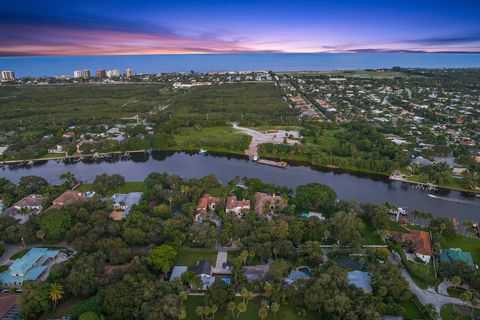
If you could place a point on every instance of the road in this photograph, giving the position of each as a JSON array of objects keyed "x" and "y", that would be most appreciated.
[{"x": 425, "y": 296}]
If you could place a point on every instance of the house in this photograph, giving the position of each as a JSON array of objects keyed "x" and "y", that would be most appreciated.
[
  {"x": 458, "y": 172},
  {"x": 56, "y": 149},
  {"x": 456, "y": 254},
  {"x": 204, "y": 270},
  {"x": 69, "y": 135},
  {"x": 21, "y": 210},
  {"x": 207, "y": 203},
  {"x": 265, "y": 204},
  {"x": 295, "y": 275},
  {"x": 255, "y": 273},
  {"x": 3, "y": 149},
  {"x": 67, "y": 198},
  {"x": 238, "y": 207},
  {"x": 32, "y": 266},
  {"x": 122, "y": 204},
  {"x": 361, "y": 280},
  {"x": 2, "y": 206},
  {"x": 177, "y": 272},
  {"x": 420, "y": 241}
]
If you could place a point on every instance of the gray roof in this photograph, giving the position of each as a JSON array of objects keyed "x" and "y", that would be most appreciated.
[
  {"x": 202, "y": 267},
  {"x": 177, "y": 272},
  {"x": 294, "y": 276},
  {"x": 361, "y": 280}
]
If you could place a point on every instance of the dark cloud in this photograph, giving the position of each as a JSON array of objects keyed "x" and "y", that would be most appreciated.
[{"x": 447, "y": 40}]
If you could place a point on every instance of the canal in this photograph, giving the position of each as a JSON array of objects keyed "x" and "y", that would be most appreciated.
[{"x": 364, "y": 188}]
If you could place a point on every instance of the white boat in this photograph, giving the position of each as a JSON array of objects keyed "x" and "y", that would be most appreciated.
[
  {"x": 397, "y": 211},
  {"x": 202, "y": 152}
]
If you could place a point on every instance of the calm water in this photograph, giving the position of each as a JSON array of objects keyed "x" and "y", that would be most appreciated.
[
  {"x": 51, "y": 66},
  {"x": 348, "y": 186}
]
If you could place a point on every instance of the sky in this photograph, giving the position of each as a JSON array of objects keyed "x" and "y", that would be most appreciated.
[{"x": 123, "y": 27}]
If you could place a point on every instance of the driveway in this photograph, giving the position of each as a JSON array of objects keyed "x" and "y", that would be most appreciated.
[{"x": 425, "y": 296}]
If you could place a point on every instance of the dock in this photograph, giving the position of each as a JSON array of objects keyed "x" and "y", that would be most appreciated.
[{"x": 280, "y": 164}]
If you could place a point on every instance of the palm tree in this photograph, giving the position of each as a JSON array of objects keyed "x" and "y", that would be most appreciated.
[
  {"x": 383, "y": 234},
  {"x": 362, "y": 262},
  {"x": 443, "y": 226},
  {"x": 275, "y": 307},
  {"x": 182, "y": 314},
  {"x": 232, "y": 307},
  {"x": 56, "y": 294},
  {"x": 213, "y": 310},
  {"x": 184, "y": 189},
  {"x": 456, "y": 281},
  {"x": 242, "y": 307},
  {"x": 466, "y": 296},
  {"x": 251, "y": 254},
  {"x": 262, "y": 312},
  {"x": 41, "y": 235},
  {"x": 200, "y": 311}
]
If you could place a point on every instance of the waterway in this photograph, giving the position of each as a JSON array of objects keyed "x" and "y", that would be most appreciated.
[{"x": 349, "y": 186}]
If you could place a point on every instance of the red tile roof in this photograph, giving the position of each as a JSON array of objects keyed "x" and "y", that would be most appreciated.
[
  {"x": 67, "y": 198},
  {"x": 233, "y": 203},
  {"x": 207, "y": 202},
  {"x": 262, "y": 199},
  {"x": 420, "y": 239}
]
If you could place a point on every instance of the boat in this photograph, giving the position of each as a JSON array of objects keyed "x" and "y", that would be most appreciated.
[
  {"x": 30, "y": 163},
  {"x": 280, "y": 164},
  {"x": 397, "y": 211},
  {"x": 202, "y": 152},
  {"x": 255, "y": 158}
]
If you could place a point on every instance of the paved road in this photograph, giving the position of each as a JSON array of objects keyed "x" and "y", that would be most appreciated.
[{"x": 425, "y": 296}]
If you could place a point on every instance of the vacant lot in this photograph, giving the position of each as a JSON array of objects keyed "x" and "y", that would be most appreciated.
[{"x": 76, "y": 104}]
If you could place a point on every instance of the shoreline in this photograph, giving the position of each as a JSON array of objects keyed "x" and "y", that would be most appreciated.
[{"x": 333, "y": 168}]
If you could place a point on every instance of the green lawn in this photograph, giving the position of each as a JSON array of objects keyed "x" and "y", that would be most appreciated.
[
  {"x": 129, "y": 186},
  {"x": 469, "y": 244},
  {"x": 286, "y": 312},
  {"x": 447, "y": 312},
  {"x": 220, "y": 139},
  {"x": 53, "y": 155},
  {"x": 19, "y": 254},
  {"x": 411, "y": 311},
  {"x": 370, "y": 236},
  {"x": 190, "y": 256}
]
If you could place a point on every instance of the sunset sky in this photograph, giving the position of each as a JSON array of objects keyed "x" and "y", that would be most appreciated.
[{"x": 72, "y": 27}]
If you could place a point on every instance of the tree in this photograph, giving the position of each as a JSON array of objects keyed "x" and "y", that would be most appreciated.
[
  {"x": 275, "y": 308},
  {"x": 32, "y": 184},
  {"x": 41, "y": 235},
  {"x": 430, "y": 312},
  {"x": 346, "y": 228},
  {"x": 220, "y": 294},
  {"x": 56, "y": 294},
  {"x": 278, "y": 270},
  {"x": 242, "y": 307},
  {"x": 34, "y": 300},
  {"x": 262, "y": 312},
  {"x": 200, "y": 311},
  {"x": 456, "y": 281},
  {"x": 232, "y": 306},
  {"x": 162, "y": 258},
  {"x": 315, "y": 196},
  {"x": 55, "y": 223},
  {"x": 89, "y": 316}
]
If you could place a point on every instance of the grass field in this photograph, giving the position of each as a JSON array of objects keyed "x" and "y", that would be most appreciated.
[
  {"x": 190, "y": 256},
  {"x": 251, "y": 103},
  {"x": 82, "y": 103},
  {"x": 220, "y": 139},
  {"x": 471, "y": 245},
  {"x": 447, "y": 312},
  {"x": 411, "y": 311},
  {"x": 286, "y": 312}
]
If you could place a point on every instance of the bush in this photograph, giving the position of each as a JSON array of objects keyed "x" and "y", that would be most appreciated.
[{"x": 91, "y": 305}]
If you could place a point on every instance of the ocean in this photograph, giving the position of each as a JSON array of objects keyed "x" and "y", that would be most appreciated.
[{"x": 65, "y": 65}]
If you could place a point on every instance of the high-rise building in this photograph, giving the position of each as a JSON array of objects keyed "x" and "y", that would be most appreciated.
[
  {"x": 100, "y": 73},
  {"x": 113, "y": 73},
  {"x": 8, "y": 75},
  {"x": 129, "y": 73},
  {"x": 77, "y": 74},
  {"x": 85, "y": 73}
]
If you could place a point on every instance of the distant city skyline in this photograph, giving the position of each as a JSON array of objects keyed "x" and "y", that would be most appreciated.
[{"x": 159, "y": 27}]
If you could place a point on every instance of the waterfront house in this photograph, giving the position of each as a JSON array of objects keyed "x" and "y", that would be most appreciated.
[
  {"x": 238, "y": 207},
  {"x": 69, "y": 135},
  {"x": 207, "y": 203},
  {"x": 32, "y": 266},
  {"x": 360, "y": 280},
  {"x": 122, "y": 204},
  {"x": 67, "y": 198},
  {"x": 266, "y": 204},
  {"x": 22, "y": 209},
  {"x": 417, "y": 243},
  {"x": 456, "y": 254}
]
